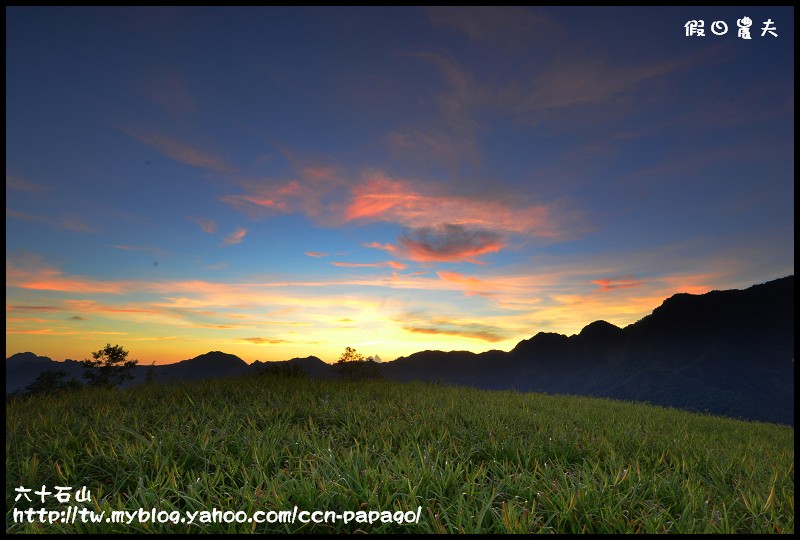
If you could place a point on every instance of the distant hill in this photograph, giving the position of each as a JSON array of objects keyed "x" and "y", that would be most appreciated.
[
  {"x": 311, "y": 366},
  {"x": 730, "y": 353},
  {"x": 210, "y": 364},
  {"x": 726, "y": 352}
]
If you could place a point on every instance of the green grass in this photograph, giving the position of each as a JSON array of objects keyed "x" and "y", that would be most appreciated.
[{"x": 475, "y": 461}]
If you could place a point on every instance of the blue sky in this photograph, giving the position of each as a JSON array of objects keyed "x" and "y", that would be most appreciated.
[{"x": 279, "y": 182}]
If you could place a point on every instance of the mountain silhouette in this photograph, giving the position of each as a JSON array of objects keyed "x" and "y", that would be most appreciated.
[
  {"x": 726, "y": 352},
  {"x": 311, "y": 366},
  {"x": 729, "y": 353},
  {"x": 208, "y": 365}
]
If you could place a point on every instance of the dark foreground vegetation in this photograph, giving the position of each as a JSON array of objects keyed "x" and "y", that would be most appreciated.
[{"x": 474, "y": 461}]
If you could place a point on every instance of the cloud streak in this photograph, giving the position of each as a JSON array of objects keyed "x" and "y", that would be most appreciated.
[
  {"x": 381, "y": 198},
  {"x": 509, "y": 26},
  {"x": 70, "y": 223},
  {"x": 386, "y": 264},
  {"x": 264, "y": 341},
  {"x": 21, "y": 184},
  {"x": 179, "y": 151},
  {"x": 609, "y": 284},
  {"x": 208, "y": 226},
  {"x": 456, "y": 328},
  {"x": 235, "y": 237}
]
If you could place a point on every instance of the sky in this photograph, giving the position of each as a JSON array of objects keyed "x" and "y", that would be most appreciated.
[{"x": 285, "y": 182}]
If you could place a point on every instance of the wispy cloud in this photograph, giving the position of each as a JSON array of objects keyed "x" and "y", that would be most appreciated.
[
  {"x": 311, "y": 192},
  {"x": 506, "y": 26},
  {"x": 386, "y": 264},
  {"x": 381, "y": 198},
  {"x": 208, "y": 226},
  {"x": 71, "y": 223},
  {"x": 170, "y": 92},
  {"x": 41, "y": 331},
  {"x": 421, "y": 325},
  {"x": 264, "y": 341},
  {"x": 316, "y": 254},
  {"x": 624, "y": 282},
  {"x": 49, "y": 279},
  {"x": 235, "y": 237},
  {"x": 179, "y": 151},
  {"x": 21, "y": 184},
  {"x": 378, "y": 245},
  {"x": 146, "y": 249},
  {"x": 32, "y": 308}
]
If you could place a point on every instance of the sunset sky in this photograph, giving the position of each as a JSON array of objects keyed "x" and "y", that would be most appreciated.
[{"x": 276, "y": 183}]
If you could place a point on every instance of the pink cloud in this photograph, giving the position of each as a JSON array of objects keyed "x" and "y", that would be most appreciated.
[
  {"x": 206, "y": 225},
  {"x": 310, "y": 193},
  {"x": 610, "y": 284},
  {"x": 378, "y": 245},
  {"x": 381, "y": 198},
  {"x": 235, "y": 237},
  {"x": 316, "y": 254}
]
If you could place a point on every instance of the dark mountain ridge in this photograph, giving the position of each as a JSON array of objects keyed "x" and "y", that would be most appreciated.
[{"x": 730, "y": 353}]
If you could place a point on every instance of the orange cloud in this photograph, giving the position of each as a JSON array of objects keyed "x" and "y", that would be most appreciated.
[
  {"x": 471, "y": 285},
  {"x": 316, "y": 254},
  {"x": 455, "y": 328},
  {"x": 40, "y": 331},
  {"x": 485, "y": 336},
  {"x": 235, "y": 237},
  {"x": 48, "y": 279},
  {"x": 264, "y": 341}
]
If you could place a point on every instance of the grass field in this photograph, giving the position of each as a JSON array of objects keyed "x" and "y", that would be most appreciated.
[{"x": 474, "y": 461}]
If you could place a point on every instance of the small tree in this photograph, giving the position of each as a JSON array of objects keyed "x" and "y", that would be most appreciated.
[
  {"x": 109, "y": 367},
  {"x": 352, "y": 366},
  {"x": 350, "y": 355},
  {"x": 150, "y": 374}
]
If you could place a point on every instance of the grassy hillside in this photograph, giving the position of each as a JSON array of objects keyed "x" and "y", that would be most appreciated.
[{"x": 475, "y": 461}]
